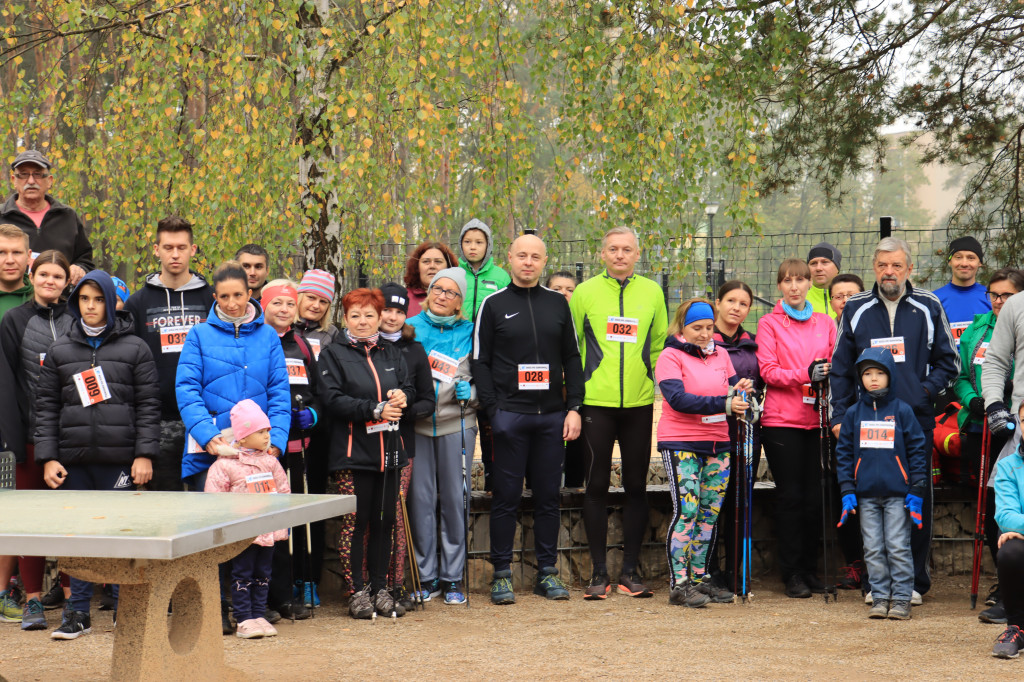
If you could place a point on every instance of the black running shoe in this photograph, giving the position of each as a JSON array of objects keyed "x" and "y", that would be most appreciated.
[
  {"x": 796, "y": 588},
  {"x": 851, "y": 576},
  {"x": 54, "y": 599},
  {"x": 996, "y": 615},
  {"x": 599, "y": 587},
  {"x": 994, "y": 596},
  {"x": 74, "y": 624}
]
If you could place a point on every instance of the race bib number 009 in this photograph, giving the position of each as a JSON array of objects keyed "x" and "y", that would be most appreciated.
[
  {"x": 92, "y": 386},
  {"x": 534, "y": 377}
]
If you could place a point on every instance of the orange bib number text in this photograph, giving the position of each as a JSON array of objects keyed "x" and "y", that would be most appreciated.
[
  {"x": 296, "y": 371},
  {"x": 622, "y": 329},
  {"x": 261, "y": 483},
  {"x": 442, "y": 367}
]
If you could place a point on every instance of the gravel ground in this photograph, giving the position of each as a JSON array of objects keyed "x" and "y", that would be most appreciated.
[{"x": 771, "y": 637}]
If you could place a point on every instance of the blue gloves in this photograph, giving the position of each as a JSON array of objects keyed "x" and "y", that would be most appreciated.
[
  {"x": 849, "y": 507},
  {"x": 915, "y": 504},
  {"x": 304, "y": 419},
  {"x": 463, "y": 390}
]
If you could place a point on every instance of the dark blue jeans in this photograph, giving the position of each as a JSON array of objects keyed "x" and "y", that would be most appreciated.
[
  {"x": 526, "y": 442},
  {"x": 250, "y": 581}
]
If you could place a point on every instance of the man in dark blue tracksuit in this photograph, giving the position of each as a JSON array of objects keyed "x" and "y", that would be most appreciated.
[
  {"x": 524, "y": 352},
  {"x": 910, "y": 322}
]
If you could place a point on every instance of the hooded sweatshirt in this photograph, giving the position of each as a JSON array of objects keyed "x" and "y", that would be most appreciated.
[
  {"x": 163, "y": 318},
  {"x": 881, "y": 451},
  {"x": 12, "y": 299},
  {"x": 484, "y": 280}
]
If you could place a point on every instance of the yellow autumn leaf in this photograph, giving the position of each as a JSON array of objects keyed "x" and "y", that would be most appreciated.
[
  {"x": 752, "y": 158},
  {"x": 351, "y": 111}
]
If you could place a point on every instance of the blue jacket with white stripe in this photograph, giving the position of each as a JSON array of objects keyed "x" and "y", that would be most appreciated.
[{"x": 930, "y": 363}]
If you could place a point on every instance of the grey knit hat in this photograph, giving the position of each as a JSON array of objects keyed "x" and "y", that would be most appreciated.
[{"x": 457, "y": 275}]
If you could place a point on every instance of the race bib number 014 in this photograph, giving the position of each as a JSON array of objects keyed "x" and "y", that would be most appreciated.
[
  {"x": 92, "y": 386},
  {"x": 878, "y": 434}
]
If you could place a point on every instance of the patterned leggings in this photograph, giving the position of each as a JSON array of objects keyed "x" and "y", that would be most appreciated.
[
  {"x": 700, "y": 483},
  {"x": 340, "y": 483}
]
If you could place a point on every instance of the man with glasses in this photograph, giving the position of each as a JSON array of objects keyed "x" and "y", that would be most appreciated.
[
  {"x": 524, "y": 353},
  {"x": 910, "y": 322},
  {"x": 964, "y": 297},
  {"x": 48, "y": 223}
]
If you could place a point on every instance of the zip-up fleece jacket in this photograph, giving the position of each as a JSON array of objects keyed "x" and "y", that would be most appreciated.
[
  {"x": 163, "y": 318},
  {"x": 1009, "y": 487},
  {"x": 973, "y": 346},
  {"x": 931, "y": 362},
  {"x": 116, "y": 430},
  {"x": 61, "y": 230},
  {"x": 355, "y": 378},
  {"x": 519, "y": 327},
  {"x": 456, "y": 342},
  {"x": 879, "y": 471},
  {"x": 694, "y": 387},
  {"x": 227, "y": 475},
  {"x": 785, "y": 349},
  {"x": 481, "y": 283},
  {"x": 820, "y": 302},
  {"x": 26, "y": 334},
  {"x": 418, "y": 367},
  {"x": 317, "y": 338},
  {"x": 303, "y": 380},
  {"x": 222, "y": 364},
  {"x": 619, "y": 373}
]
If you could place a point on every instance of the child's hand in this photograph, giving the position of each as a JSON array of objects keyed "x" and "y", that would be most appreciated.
[
  {"x": 849, "y": 507},
  {"x": 915, "y": 504},
  {"x": 142, "y": 470},
  {"x": 54, "y": 473}
]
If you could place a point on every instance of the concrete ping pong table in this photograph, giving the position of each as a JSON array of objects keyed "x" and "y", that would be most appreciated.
[{"x": 156, "y": 546}]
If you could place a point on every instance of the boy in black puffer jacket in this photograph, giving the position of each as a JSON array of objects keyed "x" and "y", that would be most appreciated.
[{"x": 97, "y": 412}]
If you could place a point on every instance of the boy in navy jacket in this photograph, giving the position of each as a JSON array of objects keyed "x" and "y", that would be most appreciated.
[{"x": 881, "y": 459}]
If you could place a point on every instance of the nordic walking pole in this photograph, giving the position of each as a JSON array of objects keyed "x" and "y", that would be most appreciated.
[
  {"x": 825, "y": 456},
  {"x": 414, "y": 569},
  {"x": 748, "y": 542},
  {"x": 979, "y": 514},
  {"x": 309, "y": 533},
  {"x": 737, "y": 483},
  {"x": 465, "y": 499},
  {"x": 393, "y": 569}
]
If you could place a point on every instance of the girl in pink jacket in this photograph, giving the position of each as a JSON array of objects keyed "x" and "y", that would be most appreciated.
[
  {"x": 693, "y": 436},
  {"x": 794, "y": 346},
  {"x": 248, "y": 467}
]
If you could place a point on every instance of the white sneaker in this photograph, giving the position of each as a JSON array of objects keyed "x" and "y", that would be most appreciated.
[
  {"x": 868, "y": 600},
  {"x": 915, "y": 598}
]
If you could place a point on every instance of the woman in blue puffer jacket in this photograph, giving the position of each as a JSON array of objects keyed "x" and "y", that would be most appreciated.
[{"x": 229, "y": 357}]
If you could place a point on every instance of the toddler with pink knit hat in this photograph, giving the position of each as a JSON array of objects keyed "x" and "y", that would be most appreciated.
[{"x": 248, "y": 467}]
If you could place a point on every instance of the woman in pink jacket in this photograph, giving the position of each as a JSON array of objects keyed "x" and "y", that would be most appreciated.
[
  {"x": 794, "y": 345},
  {"x": 694, "y": 378}
]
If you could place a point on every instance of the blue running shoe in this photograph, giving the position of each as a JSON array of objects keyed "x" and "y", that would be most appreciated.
[
  {"x": 453, "y": 594},
  {"x": 431, "y": 588},
  {"x": 501, "y": 588},
  {"x": 549, "y": 585},
  {"x": 33, "y": 616}
]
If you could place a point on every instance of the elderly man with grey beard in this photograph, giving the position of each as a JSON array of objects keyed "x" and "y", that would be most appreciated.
[{"x": 911, "y": 323}]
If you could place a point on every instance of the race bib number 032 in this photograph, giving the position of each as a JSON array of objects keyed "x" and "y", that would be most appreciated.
[{"x": 622, "y": 329}]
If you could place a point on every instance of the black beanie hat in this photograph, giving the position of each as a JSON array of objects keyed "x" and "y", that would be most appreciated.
[
  {"x": 395, "y": 296},
  {"x": 966, "y": 244},
  {"x": 826, "y": 250}
]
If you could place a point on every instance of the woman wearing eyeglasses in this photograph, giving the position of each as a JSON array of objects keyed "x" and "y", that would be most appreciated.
[
  {"x": 973, "y": 344},
  {"x": 442, "y": 438},
  {"x": 841, "y": 288}
]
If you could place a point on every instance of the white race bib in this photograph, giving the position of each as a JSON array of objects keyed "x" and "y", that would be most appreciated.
[
  {"x": 377, "y": 427},
  {"x": 895, "y": 345},
  {"x": 92, "y": 386},
  {"x": 172, "y": 339},
  {"x": 262, "y": 482},
  {"x": 712, "y": 418},
  {"x": 193, "y": 447},
  {"x": 622, "y": 329},
  {"x": 296, "y": 371},
  {"x": 879, "y": 435},
  {"x": 979, "y": 355},
  {"x": 534, "y": 377}
]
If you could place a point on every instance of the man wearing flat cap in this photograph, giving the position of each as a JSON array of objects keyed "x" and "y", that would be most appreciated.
[
  {"x": 824, "y": 261},
  {"x": 48, "y": 223},
  {"x": 964, "y": 297}
]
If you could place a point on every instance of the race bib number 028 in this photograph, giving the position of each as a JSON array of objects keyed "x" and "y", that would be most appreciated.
[{"x": 534, "y": 377}]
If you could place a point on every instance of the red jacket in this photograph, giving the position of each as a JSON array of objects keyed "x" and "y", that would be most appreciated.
[{"x": 785, "y": 349}]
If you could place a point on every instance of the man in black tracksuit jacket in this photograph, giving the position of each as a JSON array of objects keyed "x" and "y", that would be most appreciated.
[{"x": 525, "y": 351}]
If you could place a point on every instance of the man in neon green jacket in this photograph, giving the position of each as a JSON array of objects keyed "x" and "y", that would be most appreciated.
[
  {"x": 621, "y": 323},
  {"x": 483, "y": 277}
]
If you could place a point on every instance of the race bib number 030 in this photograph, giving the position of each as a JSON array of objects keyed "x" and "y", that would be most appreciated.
[
  {"x": 895, "y": 345},
  {"x": 879, "y": 435},
  {"x": 534, "y": 377},
  {"x": 92, "y": 386},
  {"x": 173, "y": 338},
  {"x": 296, "y": 371},
  {"x": 442, "y": 367},
  {"x": 261, "y": 483},
  {"x": 622, "y": 329}
]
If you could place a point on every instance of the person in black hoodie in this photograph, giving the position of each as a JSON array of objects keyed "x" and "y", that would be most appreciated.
[
  {"x": 165, "y": 308},
  {"x": 365, "y": 390},
  {"x": 97, "y": 412},
  {"x": 26, "y": 334},
  {"x": 524, "y": 349}
]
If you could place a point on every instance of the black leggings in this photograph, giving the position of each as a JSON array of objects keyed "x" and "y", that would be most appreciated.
[
  {"x": 602, "y": 426},
  {"x": 375, "y": 491},
  {"x": 794, "y": 458},
  {"x": 1011, "y": 580}
]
